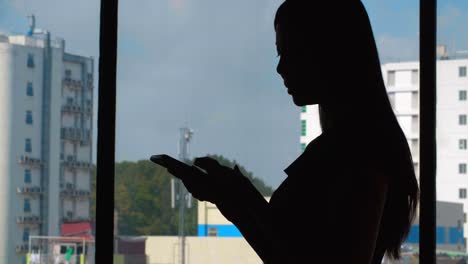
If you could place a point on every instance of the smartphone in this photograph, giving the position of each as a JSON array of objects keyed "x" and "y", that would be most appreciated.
[{"x": 166, "y": 161}]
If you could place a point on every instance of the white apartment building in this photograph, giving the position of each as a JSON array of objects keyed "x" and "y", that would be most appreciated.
[
  {"x": 402, "y": 82},
  {"x": 45, "y": 140}
]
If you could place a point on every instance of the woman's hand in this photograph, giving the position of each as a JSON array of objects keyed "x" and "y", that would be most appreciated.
[{"x": 207, "y": 180}]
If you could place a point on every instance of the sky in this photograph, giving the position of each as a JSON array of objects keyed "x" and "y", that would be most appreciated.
[{"x": 211, "y": 65}]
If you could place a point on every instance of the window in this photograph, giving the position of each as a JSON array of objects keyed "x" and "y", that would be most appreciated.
[
  {"x": 462, "y": 95},
  {"x": 27, "y": 176},
  {"x": 414, "y": 77},
  {"x": 26, "y": 234},
  {"x": 303, "y": 146},
  {"x": 27, "y": 205},
  {"x": 462, "y": 168},
  {"x": 462, "y": 143},
  {"x": 27, "y": 145},
  {"x": 303, "y": 127},
  {"x": 29, "y": 89},
  {"x": 462, "y": 193},
  {"x": 391, "y": 97},
  {"x": 304, "y": 109},
  {"x": 462, "y": 71},
  {"x": 30, "y": 61},
  {"x": 29, "y": 117},
  {"x": 391, "y": 78},
  {"x": 212, "y": 231},
  {"x": 414, "y": 100},
  {"x": 68, "y": 73},
  {"x": 462, "y": 120}
]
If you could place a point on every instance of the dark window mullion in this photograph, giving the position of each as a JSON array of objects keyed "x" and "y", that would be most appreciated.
[
  {"x": 427, "y": 219},
  {"x": 106, "y": 131}
]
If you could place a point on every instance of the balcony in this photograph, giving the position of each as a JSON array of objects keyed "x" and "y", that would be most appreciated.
[
  {"x": 29, "y": 161},
  {"x": 76, "y": 134},
  {"x": 28, "y": 220},
  {"x": 71, "y": 192},
  {"x": 71, "y": 162},
  {"x": 71, "y": 84},
  {"x": 36, "y": 190},
  {"x": 70, "y": 107}
]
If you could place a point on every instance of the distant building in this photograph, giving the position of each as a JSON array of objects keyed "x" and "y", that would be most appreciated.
[
  {"x": 46, "y": 142},
  {"x": 402, "y": 82}
]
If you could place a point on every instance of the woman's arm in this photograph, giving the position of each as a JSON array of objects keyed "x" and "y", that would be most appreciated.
[{"x": 250, "y": 213}]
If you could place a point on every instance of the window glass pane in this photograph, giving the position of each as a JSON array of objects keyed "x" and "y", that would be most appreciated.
[
  {"x": 462, "y": 95},
  {"x": 462, "y": 71},
  {"x": 29, "y": 89},
  {"x": 39, "y": 42},
  {"x": 462, "y": 143},
  {"x": 451, "y": 99},
  {"x": 29, "y": 117},
  {"x": 204, "y": 67},
  {"x": 27, "y": 176}
]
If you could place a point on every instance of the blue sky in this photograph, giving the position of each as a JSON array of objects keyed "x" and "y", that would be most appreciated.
[{"x": 211, "y": 65}]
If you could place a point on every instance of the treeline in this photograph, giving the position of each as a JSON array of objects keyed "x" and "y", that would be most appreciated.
[{"x": 143, "y": 198}]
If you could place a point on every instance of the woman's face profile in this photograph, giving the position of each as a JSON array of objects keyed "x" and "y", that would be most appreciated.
[{"x": 300, "y": 72}]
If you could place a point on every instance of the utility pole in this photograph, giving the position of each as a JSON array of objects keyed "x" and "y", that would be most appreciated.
[{"x": 182, "y": 197}]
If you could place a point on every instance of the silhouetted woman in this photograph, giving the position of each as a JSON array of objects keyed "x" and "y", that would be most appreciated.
[{"x": 351, "y": 196}]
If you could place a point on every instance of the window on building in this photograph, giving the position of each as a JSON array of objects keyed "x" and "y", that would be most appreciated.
[
  {"x": 304, "y": 109},
  {"x": 391, "y": 97},
  {"x": 68, "y": 73},
  {"x": 303, "y": 127},
  {"x": 212, "y": 231},
  {"x": 27, "y": 176},
  {"x": 29, "y": 117},
  {"x": 462, "y": 143},
  {"x": 462, "y": 71},
  {"x": 462, "y": 168},
  {"x": 414, "y": 100},
  {"x": 30, "y": 61},
  {"x": 26, "y": 234},
  {"x": 29, "y": 89},
  {"x": 462, "y": 120},
  {"x": 462, "y": 95},
  {"x": 27, "y": 145},
  {"x": 414, "y": 77},
  {"x": 462, "y": 193},
  {"x": 391, "y": 78},
  {"x": 27, "y": 205},
  {"x": 303, "y": 146}
]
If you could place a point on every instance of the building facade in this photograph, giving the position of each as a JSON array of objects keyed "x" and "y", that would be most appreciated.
[
  {"x": 402, "y": 83},
  {"x": 46, "y": 143}
]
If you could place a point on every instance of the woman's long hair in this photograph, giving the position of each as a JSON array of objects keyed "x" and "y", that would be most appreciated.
[{"x": 344, "y": 45}]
